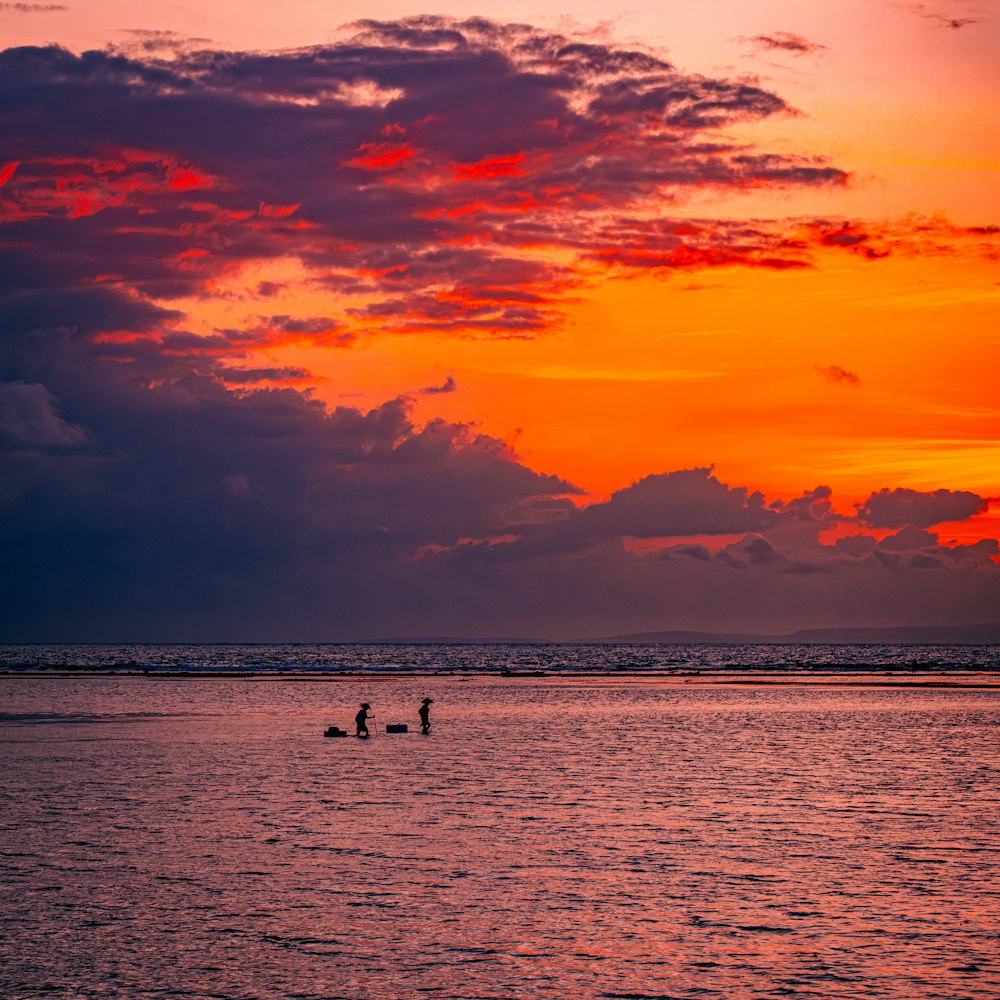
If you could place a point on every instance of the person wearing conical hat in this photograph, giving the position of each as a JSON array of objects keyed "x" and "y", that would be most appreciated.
[
  {"x": 362, "y": 719},
  {"x": 425, "y": 715}
]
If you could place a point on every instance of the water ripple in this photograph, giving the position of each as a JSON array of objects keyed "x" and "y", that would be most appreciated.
[{"x": 203, "y": 840}]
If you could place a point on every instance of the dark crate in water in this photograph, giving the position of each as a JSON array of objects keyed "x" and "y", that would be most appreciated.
[
  {"x": 396, "y": 728},
  {"x": 334, "y": 731}
]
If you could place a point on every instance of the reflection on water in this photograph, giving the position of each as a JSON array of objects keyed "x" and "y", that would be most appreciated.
[{"x": 201, "y": 839}]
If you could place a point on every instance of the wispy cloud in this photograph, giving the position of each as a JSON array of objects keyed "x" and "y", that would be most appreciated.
[
  {"x": 843, "y": 376},
  {"x": 156, "y": 41},
  {"x": 784, "y": 41},
  {"x": 31, "y": 8},
  {"x": 448, "y": 385},
  {"x": 953, "y": 21}
]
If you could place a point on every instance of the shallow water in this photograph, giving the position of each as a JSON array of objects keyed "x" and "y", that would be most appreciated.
[{"x": 167, "y": 838}]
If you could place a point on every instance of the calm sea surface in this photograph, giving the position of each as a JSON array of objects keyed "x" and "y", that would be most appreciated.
[{"x": 551, "y": 838}]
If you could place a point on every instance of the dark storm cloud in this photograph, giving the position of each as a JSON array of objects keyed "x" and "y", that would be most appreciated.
[
  {"x": 907, "y": 540},
  {"x": 751, "y": 551},
  {"x": 29, "y": 419},
  {"x": 183, "y": 509},
  {"x": 900, "y": 508},
  {"x": 87, "y": 310},
  {"x": 130, "y": 506},
  {"x": 689, "y": 502}
]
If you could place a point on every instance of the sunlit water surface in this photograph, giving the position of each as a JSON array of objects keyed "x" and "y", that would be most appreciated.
[{"x": 195, "y": 838}]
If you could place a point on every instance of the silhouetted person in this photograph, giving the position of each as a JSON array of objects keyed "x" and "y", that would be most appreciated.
[
  {"x": 362, "y": 719},
  {"x": 425, "y": 715}
]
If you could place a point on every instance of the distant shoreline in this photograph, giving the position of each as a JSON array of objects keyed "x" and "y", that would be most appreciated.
[
  {"x": 947, "y": 679},
  {"x": 971, "y": 634}
]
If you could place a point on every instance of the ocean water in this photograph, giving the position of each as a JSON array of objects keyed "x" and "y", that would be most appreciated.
[
  {"x": 552, "y": 837},
  {"x": 496, "y": 657}
]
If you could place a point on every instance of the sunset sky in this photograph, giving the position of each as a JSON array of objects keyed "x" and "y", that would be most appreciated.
[{"x": 486, "y": 321}]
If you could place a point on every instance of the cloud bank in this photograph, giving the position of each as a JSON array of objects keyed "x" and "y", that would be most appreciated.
[
  {"x": 190, "y": 511},
  {"x": 158, "y": 481}
]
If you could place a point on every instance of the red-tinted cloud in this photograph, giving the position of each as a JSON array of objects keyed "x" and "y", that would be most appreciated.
[
  {"x": 839, "y": 375},
  {"x": 430, "y": 172},
  {"x": 428, "y": 161}
]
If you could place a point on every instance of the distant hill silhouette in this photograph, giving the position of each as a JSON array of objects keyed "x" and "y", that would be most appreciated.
[
  {"x": 987, "y": 633},
  {"x": 983, "y": 634}
]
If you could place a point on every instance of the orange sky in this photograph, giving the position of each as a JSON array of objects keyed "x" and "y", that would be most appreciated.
[
  {"x": 449, "y": 325},
  {"x": 855, "y": 373}
]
